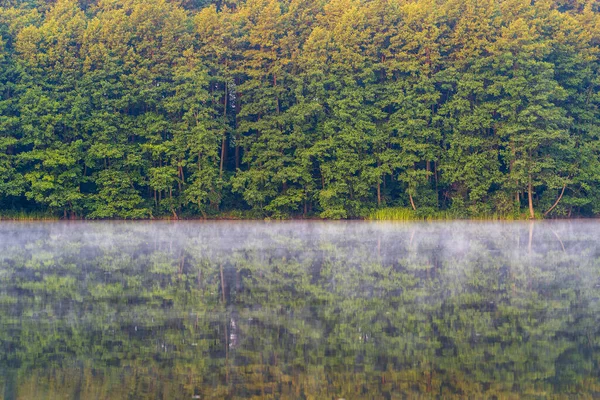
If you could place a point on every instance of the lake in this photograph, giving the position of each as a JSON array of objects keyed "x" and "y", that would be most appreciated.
[{"x": 299, "y": 310}]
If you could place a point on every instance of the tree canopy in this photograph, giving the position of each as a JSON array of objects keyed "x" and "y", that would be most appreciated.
[{"x": 290, "y": 108}]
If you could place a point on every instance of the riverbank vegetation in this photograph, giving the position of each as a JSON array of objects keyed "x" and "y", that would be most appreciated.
[
  {"x": 408, "y": 214},
  {"x": 300, "y": 108}
]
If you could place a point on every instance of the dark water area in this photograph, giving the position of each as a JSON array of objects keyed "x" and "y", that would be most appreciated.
[{"x": 299, "y": 310}]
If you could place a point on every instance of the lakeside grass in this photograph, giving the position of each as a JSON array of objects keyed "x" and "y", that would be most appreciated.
[
  {"x": 27, "y": 216},
  {"x": 382, "y": 214},
  {"x": 407, "y": 214}
]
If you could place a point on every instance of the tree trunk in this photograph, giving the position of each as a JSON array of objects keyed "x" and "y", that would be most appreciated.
[
  {"x": 557, "y": 200},
  {"x": 223, "y": 153},
  {"x": 412, "y": 203},
  {"x": 378, "y": 187},
  {"x": 237, "y": 153},
  {"x": 223, "y": 141},
  {"x": 530, "y": 198},
  {"x": 435, "y": 176}
]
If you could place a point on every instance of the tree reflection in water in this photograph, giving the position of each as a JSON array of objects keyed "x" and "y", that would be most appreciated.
[{"x": 310, "y": 310}]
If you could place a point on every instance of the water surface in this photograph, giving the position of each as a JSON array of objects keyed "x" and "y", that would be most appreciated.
[{"x": 313, "y": 310}]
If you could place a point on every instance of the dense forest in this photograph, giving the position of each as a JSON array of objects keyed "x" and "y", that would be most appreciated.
[{"x": 299, "y": 108}]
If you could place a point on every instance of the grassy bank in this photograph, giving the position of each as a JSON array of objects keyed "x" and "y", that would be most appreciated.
[
  {"x": 9, "y": 215},
  {"x": 383, "y": 214},
  {"x": 407, "y": 214}
]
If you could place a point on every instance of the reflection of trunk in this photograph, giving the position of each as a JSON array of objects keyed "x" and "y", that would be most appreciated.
[
  {"x": 530, "y": 237},
  {"x": 530, "y": 198},
  {"x": 222, "y": 283},
  {"x": 226, "y": 354},
  {"x": 181, "y": 264},
  {"x": 557, "y": 200},
  {"x": 430, "y": 378},
  {"x": 560, "y": 241},
  {"x": 528, "y": 265},
  {"x": 10, "y": 385},
  {"x": 262, "y": 375},
  {"x": 225, "y": 326},
  {"x": 412, "y": 202}
]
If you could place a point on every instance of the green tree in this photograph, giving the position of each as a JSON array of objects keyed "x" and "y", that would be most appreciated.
[{"x": 49, "y": 110}]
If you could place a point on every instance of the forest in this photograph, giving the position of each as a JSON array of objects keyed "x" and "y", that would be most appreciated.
[{"x": 330, "y": 109}]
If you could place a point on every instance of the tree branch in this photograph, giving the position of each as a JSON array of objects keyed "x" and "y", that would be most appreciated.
[{"x": 557, "y": 200}]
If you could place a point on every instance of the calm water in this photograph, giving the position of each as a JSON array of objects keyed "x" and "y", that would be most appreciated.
[{"x": 299, "y": 310}]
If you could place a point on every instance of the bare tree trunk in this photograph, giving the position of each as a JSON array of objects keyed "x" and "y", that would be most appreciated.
[
  {"x": 412, "y": 203},
  {"x": 530, "y": 198},
  {"x": 237, "y": 153},
  {"x": 378, "y": 188},
  {"x": 223, "y": 141},
  {"x": 557, "y": 200}
]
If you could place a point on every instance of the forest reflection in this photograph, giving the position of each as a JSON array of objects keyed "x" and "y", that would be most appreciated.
[{"x": 314, "y": 310}]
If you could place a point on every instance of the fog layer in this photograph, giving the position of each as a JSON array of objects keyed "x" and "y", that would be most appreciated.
[{"x": 299, "y": 309}]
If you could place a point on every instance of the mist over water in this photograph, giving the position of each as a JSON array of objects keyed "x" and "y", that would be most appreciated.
[{"x": 159, "y": 310}]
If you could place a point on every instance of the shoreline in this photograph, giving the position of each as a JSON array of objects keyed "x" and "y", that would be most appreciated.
[
  {"x": 310, "y": 219},
  {"x": 388, "y": 214}
]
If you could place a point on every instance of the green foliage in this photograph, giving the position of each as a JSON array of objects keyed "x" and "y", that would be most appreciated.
[{"x": 315, "y": 108}]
